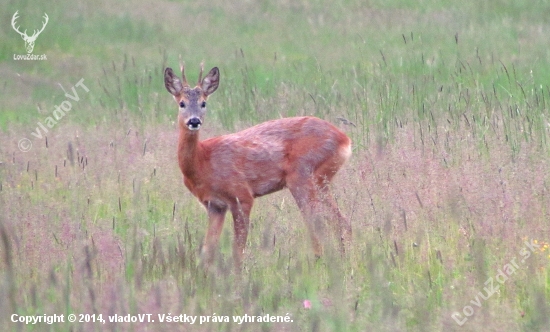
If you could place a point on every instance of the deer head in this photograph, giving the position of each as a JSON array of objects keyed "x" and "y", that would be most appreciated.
[
  {"x": 191, "y": 101},
  {"x": 29, "y": 40}
]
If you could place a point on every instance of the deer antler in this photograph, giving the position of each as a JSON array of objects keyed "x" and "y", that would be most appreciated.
[
  {"x": 46, "y": 19},
  {"x": 200, "y": 73},
  {"x": 13, "y": 19},
  {"x": 183, "y": 79}
]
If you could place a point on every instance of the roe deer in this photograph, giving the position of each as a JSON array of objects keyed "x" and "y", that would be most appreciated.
[{"x": 228, "y": 172}]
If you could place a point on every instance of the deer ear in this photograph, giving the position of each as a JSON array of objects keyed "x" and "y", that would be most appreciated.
[
  {"x": 172, "y": 82},
  {"x": 210, "y": 82}
]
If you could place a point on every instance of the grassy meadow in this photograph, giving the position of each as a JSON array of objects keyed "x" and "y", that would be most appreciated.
[{"x": 448, "y": 189}]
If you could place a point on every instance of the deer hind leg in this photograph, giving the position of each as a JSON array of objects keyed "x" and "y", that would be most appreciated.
[
  {"x": 341, "y": 225},
  {"x": 241, "y": 220},
  {"x": 216, "y": 217},
  {"x": 305, "y": 194}
]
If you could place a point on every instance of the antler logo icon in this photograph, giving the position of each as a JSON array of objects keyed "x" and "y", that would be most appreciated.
[{"x": 29, "y": 40}]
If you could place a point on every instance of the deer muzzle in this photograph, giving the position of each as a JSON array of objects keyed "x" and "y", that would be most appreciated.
[{"x": 194, "y": 123}]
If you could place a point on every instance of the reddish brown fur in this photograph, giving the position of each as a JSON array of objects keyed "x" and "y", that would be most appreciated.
[{"x": 228, "y": 172}]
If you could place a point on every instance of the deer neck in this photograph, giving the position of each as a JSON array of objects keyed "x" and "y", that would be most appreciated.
[{"x": 189, "y": 151}]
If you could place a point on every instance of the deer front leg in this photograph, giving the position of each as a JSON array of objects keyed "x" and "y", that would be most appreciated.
[
  {"x": 216, "y": 217},
  {"x": 241, "y": 220}
]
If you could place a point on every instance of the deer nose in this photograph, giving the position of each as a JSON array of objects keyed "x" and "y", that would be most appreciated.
[{"x": 194, "y": 123}]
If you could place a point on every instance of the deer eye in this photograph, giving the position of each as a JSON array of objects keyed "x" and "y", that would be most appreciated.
[
  {"x": 182, "y": 104},
  {"x": 203, "y": 104}
]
